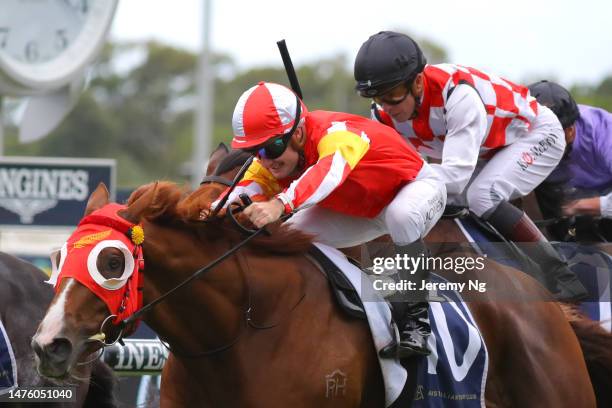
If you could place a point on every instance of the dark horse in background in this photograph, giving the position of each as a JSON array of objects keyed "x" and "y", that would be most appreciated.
[
  {"x": 24, "y": 297},
  {"x": 270, "y": 313}
]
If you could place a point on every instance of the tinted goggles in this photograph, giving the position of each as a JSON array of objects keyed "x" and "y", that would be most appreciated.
[
  {"x": 394, "y": 96},
  {"x": 275, "y": 148}
]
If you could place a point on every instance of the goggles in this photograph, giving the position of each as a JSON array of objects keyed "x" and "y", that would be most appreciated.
[
  {"x": 394, "y": 96},
  {"x": 273, "y": 149}
]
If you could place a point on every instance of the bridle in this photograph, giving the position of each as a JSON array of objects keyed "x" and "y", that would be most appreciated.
[{"x": 252, "y": 233}]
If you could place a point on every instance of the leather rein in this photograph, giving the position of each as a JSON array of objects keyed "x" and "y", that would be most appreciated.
[{"x": 233, "y": 209}]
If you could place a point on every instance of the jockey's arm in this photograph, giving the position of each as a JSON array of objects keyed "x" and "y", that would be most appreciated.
[
  {"x": 601, "y": 205},
  {"x": 257, "y": 183},
  {"x": 339, "y": 152},
  {"x": 466, "y": 120}
]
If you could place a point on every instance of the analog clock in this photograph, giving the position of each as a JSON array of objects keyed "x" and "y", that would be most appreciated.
[{"x": 47, "y": 44}]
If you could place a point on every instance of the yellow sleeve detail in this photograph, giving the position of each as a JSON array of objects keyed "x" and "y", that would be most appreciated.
[
  {"x": 351, "y": 146},
  {"x": 259, "y": 174}
]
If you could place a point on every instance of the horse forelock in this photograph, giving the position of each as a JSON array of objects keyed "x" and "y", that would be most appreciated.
[{"x": 172, "y": 205}]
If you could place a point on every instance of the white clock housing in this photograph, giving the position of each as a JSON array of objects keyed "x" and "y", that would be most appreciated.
[{"x": 46, "y": 44}]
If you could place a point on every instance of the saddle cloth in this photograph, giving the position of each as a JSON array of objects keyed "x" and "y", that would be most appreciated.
[
  {"x": 8, "y": 366},
  {"x": 592, "y": 266},
  {"x": 594, "y": 269},
  {"x": 454, "y": 375}
]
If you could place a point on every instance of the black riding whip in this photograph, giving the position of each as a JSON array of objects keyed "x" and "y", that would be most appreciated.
[{"x": 293, "y": 79}]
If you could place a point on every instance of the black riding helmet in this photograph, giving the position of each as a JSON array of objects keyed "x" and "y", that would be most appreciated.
[
  {"x": 385, "y": 60},
  {"x": 558, "y": 99}
]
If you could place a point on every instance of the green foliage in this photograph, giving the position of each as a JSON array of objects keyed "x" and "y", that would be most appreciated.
[
  {"x": 139, "y": 106},
  {"x": 599, "y": 95}
]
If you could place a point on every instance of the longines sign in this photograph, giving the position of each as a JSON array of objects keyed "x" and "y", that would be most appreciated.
[{"x": 50, "y": 191}]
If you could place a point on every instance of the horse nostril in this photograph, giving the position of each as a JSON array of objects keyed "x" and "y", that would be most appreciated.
[
  {"x": 36, "y": 348},
  {"x": 59, "y": 350}
]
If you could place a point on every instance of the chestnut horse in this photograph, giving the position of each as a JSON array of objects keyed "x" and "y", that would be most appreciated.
[
  {"x": 596, "y": 343},
  {"x": 270, "y": 314}
]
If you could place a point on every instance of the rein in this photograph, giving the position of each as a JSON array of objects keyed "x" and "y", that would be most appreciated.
[
  {"x": 194, "y": 276},
  {"x": 248, "y": 320},
  {"x": 233, "y": 250}
]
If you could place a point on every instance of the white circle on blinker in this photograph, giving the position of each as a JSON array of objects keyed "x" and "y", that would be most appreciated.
[{"x": 92, "y": 265}]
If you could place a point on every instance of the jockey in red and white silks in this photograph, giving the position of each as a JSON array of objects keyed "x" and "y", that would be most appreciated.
[
  {"x": 348, "y": 179},
  {"x": 352, "y": 181},
  {"x": 494, "y": 141}
]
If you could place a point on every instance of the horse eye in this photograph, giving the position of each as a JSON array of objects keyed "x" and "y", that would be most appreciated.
[
  {"x": 114, "y": 263},
  {"x": 111, "y": 263}
]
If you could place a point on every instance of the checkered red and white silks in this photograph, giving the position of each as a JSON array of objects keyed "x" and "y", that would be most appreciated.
[
  {"x": 263, "y": 111},
  {"x": 510, "y": 109}
]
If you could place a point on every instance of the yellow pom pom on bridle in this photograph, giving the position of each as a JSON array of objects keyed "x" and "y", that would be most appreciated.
[{"x": 136, "y": 234}]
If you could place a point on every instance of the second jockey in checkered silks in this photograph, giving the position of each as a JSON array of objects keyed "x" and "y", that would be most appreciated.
[
  {"x": 494, "y": 141},
  {"x": 346, "y": 178}
]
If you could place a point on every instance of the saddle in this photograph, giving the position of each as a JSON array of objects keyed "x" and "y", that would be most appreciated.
[
  {"x": 344, "y": 292},
  {"x": 455, "y": 211}
]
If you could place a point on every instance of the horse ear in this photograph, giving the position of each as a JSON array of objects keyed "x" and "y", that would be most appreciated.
[
  {"x": 133, "y": 212},
  {"x": 98, "y": 199},
  {"x": 215, "y": 158}
]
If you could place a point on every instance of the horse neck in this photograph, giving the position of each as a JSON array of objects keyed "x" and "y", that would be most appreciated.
[{"x": 208, "y": 311}]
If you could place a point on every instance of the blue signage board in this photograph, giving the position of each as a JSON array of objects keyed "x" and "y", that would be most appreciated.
[{"x": 50, "y": 191}]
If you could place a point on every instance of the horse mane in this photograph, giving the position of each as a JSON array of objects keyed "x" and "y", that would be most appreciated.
[{"x": 175, "y": 205}]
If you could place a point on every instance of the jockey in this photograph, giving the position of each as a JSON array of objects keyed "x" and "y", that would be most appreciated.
[
  {"x": 586, "y": 167},
  {"x": 494, "y": 142},
  {"x": 347, "y": 179}
]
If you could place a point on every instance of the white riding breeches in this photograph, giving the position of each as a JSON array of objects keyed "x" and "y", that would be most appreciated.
[
  {"x": 409, "y": 216},
  {"x": 519, "y": 168}
]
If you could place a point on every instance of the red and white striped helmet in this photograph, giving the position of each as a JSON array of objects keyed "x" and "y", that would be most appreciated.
[{"x": 264, "y": 111}]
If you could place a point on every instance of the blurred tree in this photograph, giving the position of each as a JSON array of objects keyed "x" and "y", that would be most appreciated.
[
  {"x": 139, "y": 106},
  {"x": 137, "y": 109},
  {"x": 599, "y": 95}
]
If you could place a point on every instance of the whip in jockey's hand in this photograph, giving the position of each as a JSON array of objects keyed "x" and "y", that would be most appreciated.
[{"x": 262, "y": 214}]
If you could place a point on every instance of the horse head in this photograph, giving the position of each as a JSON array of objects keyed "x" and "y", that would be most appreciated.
[
  {"x": 97, "y": 282},
  {"x": 123, "y": 256}
]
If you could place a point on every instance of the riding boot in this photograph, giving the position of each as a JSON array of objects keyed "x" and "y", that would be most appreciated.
[
  {"x": 410, "y": 311},
  {"x": 557, "y": 277}
]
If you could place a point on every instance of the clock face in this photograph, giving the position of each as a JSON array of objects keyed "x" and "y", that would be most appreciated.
[
  {"x": 46, "y": 43},
  {"x": 58, "y": 22}
]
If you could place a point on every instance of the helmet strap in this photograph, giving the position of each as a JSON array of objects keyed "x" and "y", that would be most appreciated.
[
  {"x": 417, "y": 105},
  {"x": 417, "y": 99}
]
